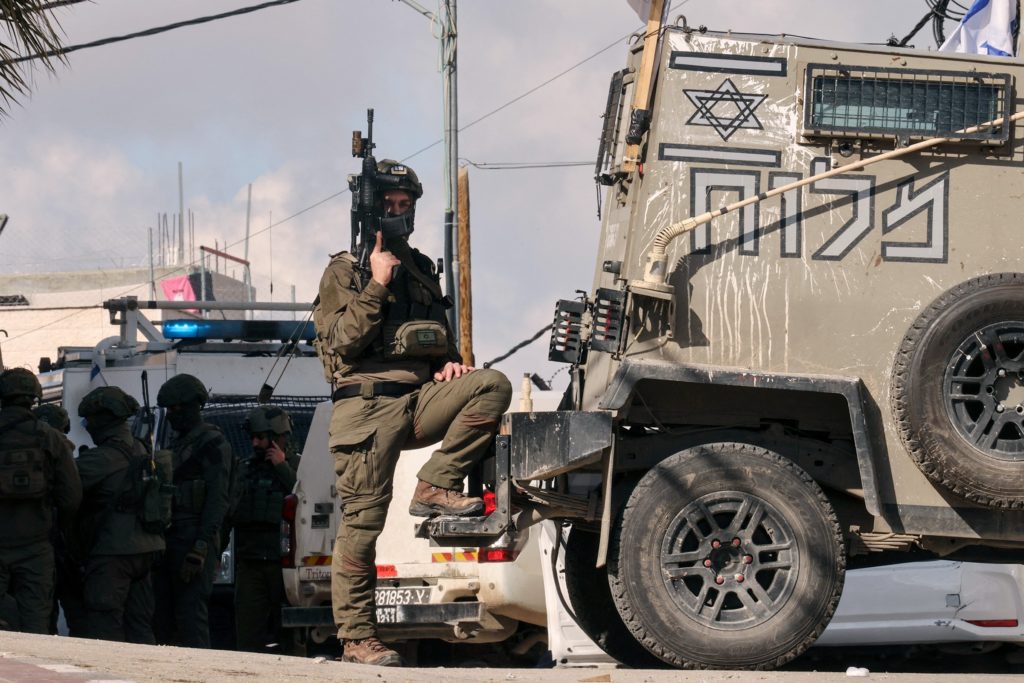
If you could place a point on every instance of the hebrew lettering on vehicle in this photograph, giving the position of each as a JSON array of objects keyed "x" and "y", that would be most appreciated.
[
  {"x": 933, "y": 198},
  {"x": 856, "y": 195},
  {"x": 861, "y": 189},
  {"x": 703, "y": 182}
]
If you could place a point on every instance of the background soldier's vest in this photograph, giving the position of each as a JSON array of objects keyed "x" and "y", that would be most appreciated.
[
  {"x": 24, "y": 464},
  {"x": 190, "y": 487}
]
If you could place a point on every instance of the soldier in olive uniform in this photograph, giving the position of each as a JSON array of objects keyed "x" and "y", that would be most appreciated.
[
  {"x": 202, "y": 474},
  {"x": 266, "y": 478},
  {"x": 398, "y": 382},
  {"x": 118, "y": 588},
  {"x": 68, "y": 588},
  {"x": 37, "y": 479}
]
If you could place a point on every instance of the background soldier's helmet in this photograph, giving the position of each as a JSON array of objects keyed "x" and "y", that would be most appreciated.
[
  {"x": 182, "y": 389},
  {"x": 53, "y": 415},
  {"x": 19, "y": 382},
  {"x": 405, "y": 178},
  {"x": 268, "y": 419},
  {"x": 110, "y": 401}
]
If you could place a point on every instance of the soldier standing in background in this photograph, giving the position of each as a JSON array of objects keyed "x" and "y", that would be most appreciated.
[
  {"x": 202, "y": 473},
  {"x": 398, "y": 382},
  {"x": 67, "y": 592},
  {"x": 266, "y": 478},
  {"x": 118, "y": 589},
  {"x": 37, "y": 477}
]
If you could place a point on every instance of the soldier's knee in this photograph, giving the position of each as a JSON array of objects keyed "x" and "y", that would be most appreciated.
[{"x": 495, "y": 382}]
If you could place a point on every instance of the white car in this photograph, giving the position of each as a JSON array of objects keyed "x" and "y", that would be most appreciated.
[{"x": 933, "y": 602}]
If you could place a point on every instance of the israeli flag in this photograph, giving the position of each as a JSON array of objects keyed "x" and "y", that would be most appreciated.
[{"x": 986, "y": 29}]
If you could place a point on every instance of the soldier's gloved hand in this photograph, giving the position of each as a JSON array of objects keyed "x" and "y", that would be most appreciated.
[{"x": 194, "y": 561}]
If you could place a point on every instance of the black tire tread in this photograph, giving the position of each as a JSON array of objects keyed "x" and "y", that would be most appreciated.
[
  {"x": 632, "y": 619},
  {"x": 900, "y": 399}
]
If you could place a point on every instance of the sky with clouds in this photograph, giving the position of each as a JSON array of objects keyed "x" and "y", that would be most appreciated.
[{"x": 271, "y": 98}]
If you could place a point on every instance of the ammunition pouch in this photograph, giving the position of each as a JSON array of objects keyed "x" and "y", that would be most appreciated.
[
  {"x": 189, "y": 498},
  {"x": 23, "y": 474},
  {"x": 416, "y": 339}
]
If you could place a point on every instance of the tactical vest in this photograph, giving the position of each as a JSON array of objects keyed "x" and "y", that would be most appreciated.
[
  {"x": 190, "y": 487},
  {"x": 262, "y": 497},
  {"x": 414, "y": 325},
  {"x": 24, "y": 471}
]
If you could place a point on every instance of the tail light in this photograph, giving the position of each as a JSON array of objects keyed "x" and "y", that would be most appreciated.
[
  {"x": 490, "y": 502},
  {"x": 288, "y": 510},
  {"x": 497, "y": 555},
  {"x": 387, "y": 571},
  {"x": 993, "y": 623}
]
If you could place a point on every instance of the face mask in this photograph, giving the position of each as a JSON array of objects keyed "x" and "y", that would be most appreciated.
[
  {"x": 184, "y": 418},
  {"x": 398, "y": 227}
]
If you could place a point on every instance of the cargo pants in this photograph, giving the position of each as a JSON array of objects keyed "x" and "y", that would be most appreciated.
[
  {"x": 119, "y": 599},
  {"x": 368, "y": 436},
  {"x": 27, "y": 573},
  {"x": 259, "y": 589},
  {"x": 183, "y": 609}
]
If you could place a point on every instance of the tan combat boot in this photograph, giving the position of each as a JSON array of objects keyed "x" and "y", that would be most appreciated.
[
  {"x": 370, "y": 651},
  {"x": 429, "y": 501}
]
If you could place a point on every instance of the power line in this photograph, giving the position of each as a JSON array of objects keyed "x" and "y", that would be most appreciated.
[
  {"x": 148, "y": 32},
  {"x": 517, "y": 166}
]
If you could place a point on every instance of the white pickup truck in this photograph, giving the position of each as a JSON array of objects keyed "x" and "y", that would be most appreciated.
[{"x": 457, "y": 594}]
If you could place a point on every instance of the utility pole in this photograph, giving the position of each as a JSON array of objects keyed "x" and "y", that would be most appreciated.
[
  {"x": 465, "y": 273},
  {"x": 181, "y": 216},
  {"x": 449, "y": 64},
  {"x": 449, "y": 68}
]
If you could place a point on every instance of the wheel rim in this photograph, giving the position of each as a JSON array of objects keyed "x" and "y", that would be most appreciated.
[
  {"x": 730, "y": 560},
  {"x": 983, "y": 389}
]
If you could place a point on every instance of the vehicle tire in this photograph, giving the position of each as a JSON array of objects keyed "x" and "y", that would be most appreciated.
[
  {"x": 591, "y": 600},
  {"x": 726, "y": 556},
  {"x": 958, "y": 390}
]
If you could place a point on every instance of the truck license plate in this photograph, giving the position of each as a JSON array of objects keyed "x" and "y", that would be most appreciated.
[{"x": 388, "y": 600}]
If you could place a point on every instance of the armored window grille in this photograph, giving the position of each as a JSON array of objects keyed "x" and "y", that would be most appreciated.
[
  {"x": 229, "y": 412},
  {"x": 13, "y": 300},
  {"x": 611, "y": 127},
  {"x": 854, "y": 101}
]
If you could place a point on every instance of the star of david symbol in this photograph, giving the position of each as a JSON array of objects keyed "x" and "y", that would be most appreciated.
[{"x": 725, "y": 109}]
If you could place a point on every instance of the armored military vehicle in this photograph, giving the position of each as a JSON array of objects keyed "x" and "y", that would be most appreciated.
[{"x": 803, "y": 348}]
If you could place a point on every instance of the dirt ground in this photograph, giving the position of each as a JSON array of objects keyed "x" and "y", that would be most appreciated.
[{"x": 46, "y": 659}]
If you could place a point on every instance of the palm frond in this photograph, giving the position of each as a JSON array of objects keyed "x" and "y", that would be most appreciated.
[{"x": 27, "y": 27}]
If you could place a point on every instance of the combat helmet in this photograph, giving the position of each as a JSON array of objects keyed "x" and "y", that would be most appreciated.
[
  {"x": 398, "y": 176},
  {"x": 108, "y": 400},
  {"x": 268, "y": 419},
  {"x": 182, "y": 389},
  {"x": 19, "y": 382},
  {"x": 53, "y": 415}
]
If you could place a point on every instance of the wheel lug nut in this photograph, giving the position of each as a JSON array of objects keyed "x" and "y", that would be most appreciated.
[
  {"x": 739, "y": 578},
  {"x": 747, "y": 559},
  {"x": 1000, "y": 408},
  {"x": 735, "y": 543},
  {"x": 716, "y": 544},
  {"x": 719, "y": 580},
  {"x": 1001, "y": 372},
  {"x": 707, "y": 563}
]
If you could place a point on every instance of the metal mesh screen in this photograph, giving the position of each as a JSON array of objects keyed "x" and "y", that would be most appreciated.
[
  {"x": 859, "y": 101},
  {"x": 229, "y": 413}
]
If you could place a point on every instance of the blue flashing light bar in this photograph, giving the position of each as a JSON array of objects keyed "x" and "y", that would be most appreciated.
[{"x": 240, "y": 330}]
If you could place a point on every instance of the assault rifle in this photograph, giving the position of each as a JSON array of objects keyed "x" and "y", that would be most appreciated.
[
  {"x": 145, "y": 420},
  {"x": 367, "y": 193}
]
